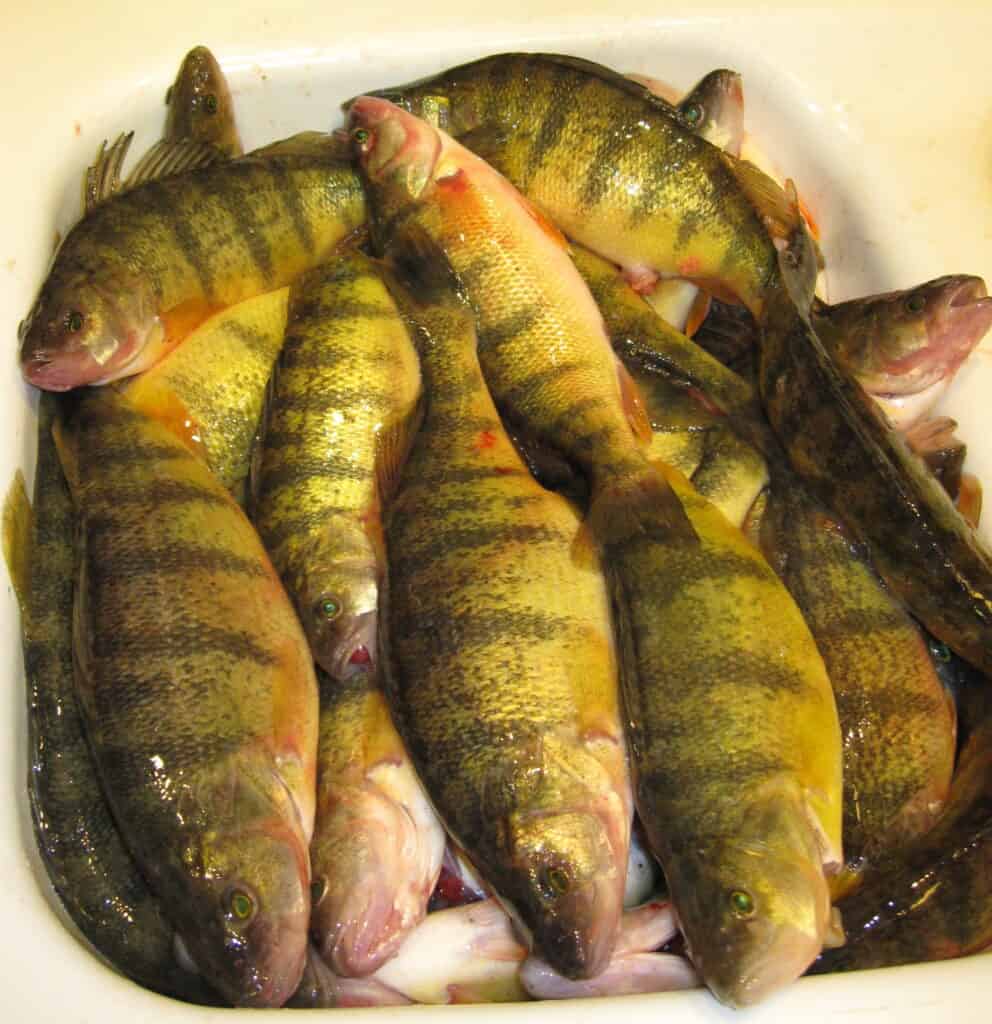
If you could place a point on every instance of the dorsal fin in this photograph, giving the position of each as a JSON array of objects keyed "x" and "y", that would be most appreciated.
[
  {"x": 172, "y": 156},
  {"x": 103, "y": 178},
  {"x": 166, "y": 157}
]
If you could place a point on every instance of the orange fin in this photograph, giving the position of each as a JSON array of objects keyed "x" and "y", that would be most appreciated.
[
  {"x": 180, "y": 321},
  {"x": 17, "y": 530},
  {"x": 161, "y": 403},
  {"x": 969, "y": 501},
  {"x": 698, "y": 312},
  {"x": 633, "y": 405},
  {"x": 551, "y": 230}
]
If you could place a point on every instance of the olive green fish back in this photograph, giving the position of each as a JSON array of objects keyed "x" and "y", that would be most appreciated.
[
  {"x": 219, "y": 234},
  {"x": 934, "y": 900},
  {"x": 896, "y": 719},
  {"x": 167, "y": 560},
  {"x": 500, "y": 655},
  {"x": 95, "y": 877},
  {"x": 611, "y": 164},
  {"x": 341, "y": 407},
  {"x": 852, "y": 461}
]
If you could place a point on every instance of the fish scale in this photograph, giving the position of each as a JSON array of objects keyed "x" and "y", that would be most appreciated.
[
  {"x": 501, "y": 672},
  {"x": 610, "y": 163},
  {"x": 218, "y": 807},
  {"x": 150, "y": 263},
  {"x": 339, "y": 412},
  {"x": 542, "y": 345},
  {"x": 851, "y": 459},
  {"x": 95, "y": 877},
  {"x": 735, "y": 748},
  {"x": 898, "y": 724}
]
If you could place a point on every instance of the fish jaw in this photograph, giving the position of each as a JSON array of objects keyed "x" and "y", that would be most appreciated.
[
  {"x": 378, "y": 859},
  {"x": 396, "y": 145}
]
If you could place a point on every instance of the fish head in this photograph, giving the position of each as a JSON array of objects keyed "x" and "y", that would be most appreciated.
[
  {"x": 200, "y": 104},
  {"x": 755, "y": 907},
  {"x": 376, "y": 856},
  {"x": 336, "y": 587},
  {"x": 902, "y": 343},
  {"x": 79, "y": 332},
  {"x": 396, "y": 151},
  {"x": 714, "y": 109},
  {"x": 244, "y": 923},
  {"x": 567, "y": 887}
]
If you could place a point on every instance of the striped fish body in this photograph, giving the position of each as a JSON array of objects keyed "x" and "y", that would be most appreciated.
[
  {"x": 736, "y": 751},
  {"x": 689, "y": 435},
  {"x": 197, "y": 690},
  {"x": 95, "y": 877},
  {"x": 897, "y": 722},
  {"x": 500, "y": 665},
  {"x": 864, "y": 474},
  {"x": 147, "y": 265},
  {"x": 641, "y": 337},
  {"x": 610, "y": 163},
  {"x": 339, "y": 414},
  {"x": 933, "y": 901},
  {"x": 338, "y": 419},
  {"x": 542, "y": 346},
  {"x": 212, "y": 386}
]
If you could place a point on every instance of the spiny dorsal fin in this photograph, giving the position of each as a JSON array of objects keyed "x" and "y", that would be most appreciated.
[
  {"x": 172, "y": 156},
  {"x": 103, "y": 178},
  {"x": 166, "y": 157}
]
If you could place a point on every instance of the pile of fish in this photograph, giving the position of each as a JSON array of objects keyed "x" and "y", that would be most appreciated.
[{"x": 412, "y": 613}]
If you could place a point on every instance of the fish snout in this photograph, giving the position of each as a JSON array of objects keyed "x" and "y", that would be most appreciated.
[
  {"x": 739, "y": 983},
  {"x": 266, "y": 961},
  {"x": 59, "y": 372},
  {"x": 578, "y": 939}
]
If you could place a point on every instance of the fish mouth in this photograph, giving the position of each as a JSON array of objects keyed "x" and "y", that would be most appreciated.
[
  {"x": 961, "y": 313},
  {"x": 782, "y": 961},
  {"x": 579, "y": 939},
  {"x": 377, "y": 872},
  {"x": 357, "y": 652}
]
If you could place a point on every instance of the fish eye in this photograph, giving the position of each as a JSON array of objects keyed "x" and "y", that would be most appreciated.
[
  {"x": 693, "y": 114},
  {"x": 240, "y": 905},
  {"x": 361, "y": 136},
  {"x": 556, "y": 881},
  {"x": 940, "y": 651},
  {"x": 915, "y": 303},
  {"x": 329, "y": 608},
  {"x": 74, "y": 321},
  {"x": 318, "y": 889},
  {"x": 210, "y": 103},
  {"x": 741, "y": 903}
]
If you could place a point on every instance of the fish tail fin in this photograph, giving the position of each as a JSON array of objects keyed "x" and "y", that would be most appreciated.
[{"x": 637, "y": 504}]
